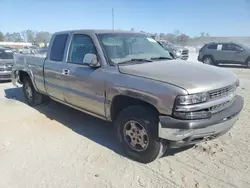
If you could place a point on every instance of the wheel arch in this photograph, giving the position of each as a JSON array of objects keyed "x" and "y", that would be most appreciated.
[
  {"x": 247, "y": 59},
  {"x": 21, "y": 74},
  {"x": 120, "y": 102}
]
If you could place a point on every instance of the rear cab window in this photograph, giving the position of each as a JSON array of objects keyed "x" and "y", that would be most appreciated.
[
  {"x": 6, "y": 54},
  {"x": 58, "y": 47}
]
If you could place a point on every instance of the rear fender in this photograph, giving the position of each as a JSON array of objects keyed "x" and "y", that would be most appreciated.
[{"x": 15, "y": 77}]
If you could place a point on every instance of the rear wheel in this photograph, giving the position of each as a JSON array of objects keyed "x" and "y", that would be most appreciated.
[
  {"x": 31, "y": 95},
  {"x": 137, "y": 128}
]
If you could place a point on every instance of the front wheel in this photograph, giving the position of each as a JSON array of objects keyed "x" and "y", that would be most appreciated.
[
  {"x": 248, "y": 63},
  {"x": 208, "y": 61},
  {"x": 137, "y": 128}
]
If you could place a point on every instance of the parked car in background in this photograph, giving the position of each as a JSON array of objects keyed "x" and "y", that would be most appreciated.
[
  {"x": 42, "y": 51},
  {"x": 155, "y": 102},
  {"x": 15, "y": 50},
  {"x": 225, "y": 53},
  {"x": 28, "y": 49},
  {"x": 176, "y": 52},
  {"x": 6, "y": 63}
]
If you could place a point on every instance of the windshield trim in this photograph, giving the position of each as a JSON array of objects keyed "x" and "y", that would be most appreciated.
[{"x": 109, "y": 61}]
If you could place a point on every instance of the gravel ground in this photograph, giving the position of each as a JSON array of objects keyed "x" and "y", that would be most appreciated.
[{"x": 57, "y": 147}]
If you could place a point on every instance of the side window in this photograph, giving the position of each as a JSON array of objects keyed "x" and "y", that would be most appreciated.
[
  {"x": 237, "y": 48},
  {"x": 229, "y": 47},
  {"x": 58, "y": 47},
  {"x": 25, "y": 47},
  {"x": 80, "y": 45},
  {"x": 212, "y": 46}
]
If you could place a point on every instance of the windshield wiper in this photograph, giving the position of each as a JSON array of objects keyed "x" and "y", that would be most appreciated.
[
  {"x": 133, "y": 60},
  {"x": 161, "y": 57}
]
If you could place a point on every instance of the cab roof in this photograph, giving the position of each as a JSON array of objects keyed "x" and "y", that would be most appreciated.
[{"x": 98, "y": 31}]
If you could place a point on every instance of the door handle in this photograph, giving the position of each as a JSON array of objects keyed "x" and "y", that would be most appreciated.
[{"x": 65, "y": 72}]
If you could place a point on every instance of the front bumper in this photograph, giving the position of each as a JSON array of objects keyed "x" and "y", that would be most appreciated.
[
  {"x": 181, "y": 133},
  {"x": 5, "y": 75},
  {"x": 199, "y": 58},
  {"x": 182, "y": 57}
]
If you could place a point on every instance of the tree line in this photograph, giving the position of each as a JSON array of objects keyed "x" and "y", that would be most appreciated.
[
  {"x": 26, "y": 36},
  {"x": 35, "y": 37},
  {"x": 180, "y": 38}
]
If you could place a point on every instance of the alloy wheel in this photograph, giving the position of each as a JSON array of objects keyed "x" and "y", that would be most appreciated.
[{"x": 136, "y": 136}]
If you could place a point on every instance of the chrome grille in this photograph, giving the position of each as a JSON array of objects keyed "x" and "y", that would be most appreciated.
[
  {"x": 222, "y": 91},
  {"x": 184, "y": 52},
  {"x": 6, "y": 67},
  {"x": 5, "y": 76}
]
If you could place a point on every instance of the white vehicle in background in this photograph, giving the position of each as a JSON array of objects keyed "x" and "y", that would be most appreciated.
[{"x": 28, "y": 49}]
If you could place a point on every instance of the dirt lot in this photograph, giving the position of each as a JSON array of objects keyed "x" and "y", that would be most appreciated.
[{"x": 55, "y": 146}]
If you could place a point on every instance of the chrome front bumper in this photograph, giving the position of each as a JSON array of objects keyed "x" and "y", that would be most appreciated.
[
  {"x": 5, "y": 75},
  {"x": 186, "y": 132}
]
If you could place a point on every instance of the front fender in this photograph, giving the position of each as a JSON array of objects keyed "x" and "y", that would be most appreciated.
[{"x": 117, "y": 91}]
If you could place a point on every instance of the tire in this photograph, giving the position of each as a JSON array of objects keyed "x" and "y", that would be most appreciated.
[
  {"x": 209, "y": 60},
  {"x": 146, "y": 121},
  {"x": 248, "y": 63},
  {"x": 32, "y": 97}
]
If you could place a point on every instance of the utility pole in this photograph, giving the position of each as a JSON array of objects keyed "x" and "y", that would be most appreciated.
[{"x": 113, "y": 19}]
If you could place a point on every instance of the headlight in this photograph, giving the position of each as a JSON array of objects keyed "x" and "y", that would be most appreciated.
[
  {"x": 186, "y": 100},
  {"x": 178, "y": 53},
  {"x": 237, "y": 82},
  {"x": 192, "y": 99}
]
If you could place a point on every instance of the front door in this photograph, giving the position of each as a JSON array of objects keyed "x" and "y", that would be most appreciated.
[{"x": 84, "y": 85}]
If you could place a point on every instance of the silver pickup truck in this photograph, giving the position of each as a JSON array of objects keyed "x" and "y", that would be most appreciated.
[
  {"x": 155, "y": 102},
  {"x": 176, "y": 52}
]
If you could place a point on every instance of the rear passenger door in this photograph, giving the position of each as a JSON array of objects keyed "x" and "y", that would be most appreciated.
[
  {"x": 54, "y": 66},
  {"x": 84, "y": 85}
]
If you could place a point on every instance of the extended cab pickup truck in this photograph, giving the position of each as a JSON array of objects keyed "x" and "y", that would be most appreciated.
[{"x": 123, "y": 77}]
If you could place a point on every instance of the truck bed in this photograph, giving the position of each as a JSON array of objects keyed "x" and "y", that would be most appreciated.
[{"x": 33, "y": 64}]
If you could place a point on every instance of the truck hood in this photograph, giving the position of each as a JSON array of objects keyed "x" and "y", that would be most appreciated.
[{"x": 191, "y": 76}]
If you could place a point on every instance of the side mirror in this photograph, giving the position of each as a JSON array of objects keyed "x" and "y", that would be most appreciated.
[{"x": 91, "y": 60}]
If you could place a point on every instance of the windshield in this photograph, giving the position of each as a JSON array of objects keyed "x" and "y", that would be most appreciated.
[
  {"x": 124, "y": 47},
  {"x": 166, "y": 45},
  {"x": 6, "y": 54}
]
